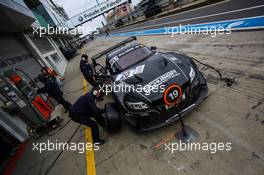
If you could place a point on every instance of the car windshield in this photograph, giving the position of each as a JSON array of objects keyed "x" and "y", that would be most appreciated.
[{"x": 131, "y": 58}]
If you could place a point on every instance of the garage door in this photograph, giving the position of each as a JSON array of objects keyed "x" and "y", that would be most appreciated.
[
  {"x": 14, "y": 54},
  {"x": 50, "y": 53}
]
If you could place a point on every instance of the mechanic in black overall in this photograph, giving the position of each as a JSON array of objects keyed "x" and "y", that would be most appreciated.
[
  {"x": 87, "y": 71},
  {"x": 53, "y": 90},
  {"x": 84, "y": 109}
]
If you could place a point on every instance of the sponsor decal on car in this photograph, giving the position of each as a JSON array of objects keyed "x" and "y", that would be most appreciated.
[
  {"x": 130, "y": 73},
  {"x": 160, "y": 80},
  {"x": 235, "y": 24},
  {"x": 163, "y": 78},
  {"x": 172, "y": 95}
]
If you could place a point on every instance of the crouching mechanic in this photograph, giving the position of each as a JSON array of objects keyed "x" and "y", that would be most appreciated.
[{"x": 84, "y": 109}]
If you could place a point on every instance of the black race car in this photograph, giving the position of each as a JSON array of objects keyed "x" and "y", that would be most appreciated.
[{"x": 160, "y": 85}]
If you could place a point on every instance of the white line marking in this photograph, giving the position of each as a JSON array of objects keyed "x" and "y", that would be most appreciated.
[
  {"x": 194, "y": 9},
  {"x": 153, "y": 20},
  {"x": 224, "y": 20}
]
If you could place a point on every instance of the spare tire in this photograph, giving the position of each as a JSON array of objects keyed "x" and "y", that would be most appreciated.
[{"x": 113, "y": 119}]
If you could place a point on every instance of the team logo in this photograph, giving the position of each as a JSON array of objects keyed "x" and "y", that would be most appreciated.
[{"x": 235, "y": 24}]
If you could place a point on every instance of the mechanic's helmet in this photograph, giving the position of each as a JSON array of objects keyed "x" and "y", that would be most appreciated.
[
  {"x": 96, "y": 93},
  {"x": 85, "y": 57}
]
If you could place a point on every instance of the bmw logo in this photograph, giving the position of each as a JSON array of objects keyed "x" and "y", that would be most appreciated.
[{"x": 80, "y": 18}]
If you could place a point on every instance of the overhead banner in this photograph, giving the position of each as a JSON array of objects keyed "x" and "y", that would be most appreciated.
[{"x": 95, "y": 11}]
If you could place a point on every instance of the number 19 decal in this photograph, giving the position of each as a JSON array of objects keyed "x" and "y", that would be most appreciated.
[{"x": 172, "y": 94}]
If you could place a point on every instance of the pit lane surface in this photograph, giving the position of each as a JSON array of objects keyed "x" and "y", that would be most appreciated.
[{"x": 230, "y": 114}]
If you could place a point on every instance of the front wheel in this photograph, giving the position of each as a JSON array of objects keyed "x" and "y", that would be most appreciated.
[{"x": 113, "y": 118}]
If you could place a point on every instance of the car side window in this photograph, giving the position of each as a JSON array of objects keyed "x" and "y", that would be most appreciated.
[{"x": 112, "y": 69}]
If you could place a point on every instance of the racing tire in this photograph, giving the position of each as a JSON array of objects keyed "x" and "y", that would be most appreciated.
[{"x": 113, "y": 118}]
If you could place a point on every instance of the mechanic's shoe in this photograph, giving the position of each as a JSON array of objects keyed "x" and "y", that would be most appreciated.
[
  {"x": 100, "y": 99},
  {"x": 100, "y": 142}
]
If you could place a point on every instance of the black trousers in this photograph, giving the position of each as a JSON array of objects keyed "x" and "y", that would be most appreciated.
[
  {"x": 5, "y": 149},
  {"x": 63, "y": 102},
  {"x": 86, "y": 120},
  {"x": 90, "y": 80}
]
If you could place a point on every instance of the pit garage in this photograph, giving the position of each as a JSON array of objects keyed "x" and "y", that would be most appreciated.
[{"x": 18, "y": 61}]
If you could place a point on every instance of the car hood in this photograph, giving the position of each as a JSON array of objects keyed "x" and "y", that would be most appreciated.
[{"x": 160, "y": 70}]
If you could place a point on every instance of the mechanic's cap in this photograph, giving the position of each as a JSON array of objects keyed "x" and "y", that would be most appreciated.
[
  {"x": 84, "y": 56},
  {"x": 95, "y": 92}
]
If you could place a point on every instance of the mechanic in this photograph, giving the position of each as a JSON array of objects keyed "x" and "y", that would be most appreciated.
[
  {"x": 53, "y": 90},
  {"x": 48, "y": 72},
  {"x": 87, "y": 71},
  {"x": 106, "y": 32},
  {"x": 85, "y": 108}
]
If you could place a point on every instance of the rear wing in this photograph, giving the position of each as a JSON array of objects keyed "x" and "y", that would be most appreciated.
[{"x": 130, "y": 39}]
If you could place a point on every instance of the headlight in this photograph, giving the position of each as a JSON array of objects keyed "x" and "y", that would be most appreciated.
[
  {"x": 192, "y": 74},
  {"x": 137, "y": 105}
]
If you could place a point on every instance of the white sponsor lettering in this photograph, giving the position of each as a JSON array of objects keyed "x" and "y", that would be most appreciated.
[
  {"x": 95, "y": 11},
  {"x": 130, "y": 73},
  {"x": 162, "y": 79}
]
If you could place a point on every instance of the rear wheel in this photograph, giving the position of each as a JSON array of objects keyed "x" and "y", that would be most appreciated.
[{"x": 113, "y": 118}]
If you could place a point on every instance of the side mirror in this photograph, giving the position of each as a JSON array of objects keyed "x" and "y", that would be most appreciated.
[
  {"x": 153, "y": 48},
  {"x": 94, "y": 62}
]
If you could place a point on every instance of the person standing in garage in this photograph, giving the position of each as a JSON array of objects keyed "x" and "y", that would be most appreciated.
[
  {"x": 87, "y": 71},
  {"x": 50, "y": 73},
  {"x": 53, "y": 90},
  {"x": 84, "y": 109}
]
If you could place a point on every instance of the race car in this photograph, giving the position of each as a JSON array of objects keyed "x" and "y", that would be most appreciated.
[{"x": 159, "y": 87}]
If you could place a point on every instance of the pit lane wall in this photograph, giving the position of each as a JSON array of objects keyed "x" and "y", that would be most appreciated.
[{"x": 235, "y": 24}]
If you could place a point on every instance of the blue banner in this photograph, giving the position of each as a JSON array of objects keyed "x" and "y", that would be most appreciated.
[{"x": 223, "y": 26}]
